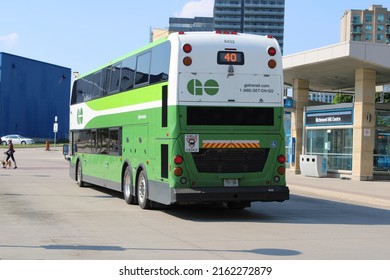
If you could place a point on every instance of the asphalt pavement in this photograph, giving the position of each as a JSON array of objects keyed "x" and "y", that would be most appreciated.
[{"x": 367, "y": 193}]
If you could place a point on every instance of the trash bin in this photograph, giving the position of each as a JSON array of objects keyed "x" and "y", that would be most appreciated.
[{"x": 313, "y": 165}]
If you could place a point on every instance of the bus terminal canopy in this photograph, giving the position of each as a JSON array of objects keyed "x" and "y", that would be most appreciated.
[{"x": 333, "y": 67}]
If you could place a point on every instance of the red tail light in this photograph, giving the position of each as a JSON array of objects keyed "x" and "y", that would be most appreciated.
[
  {"x": 178, "y": 159},
  {"x": 281, "y": 170},
  {"x": 187, "y": 48},
  {"x": 281, "y": 159},
  {"x": 271, "y": 51}
]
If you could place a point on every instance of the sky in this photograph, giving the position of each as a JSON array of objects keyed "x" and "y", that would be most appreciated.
[{"x": 83, "y": 35}]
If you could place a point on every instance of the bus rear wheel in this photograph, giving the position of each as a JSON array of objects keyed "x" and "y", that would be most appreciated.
[
  {"x": 127, "y": 187},
  {"x": 143, "y": 191}
]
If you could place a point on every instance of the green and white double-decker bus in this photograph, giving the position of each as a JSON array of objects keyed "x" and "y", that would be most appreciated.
[{"x": 193, "y": 118}]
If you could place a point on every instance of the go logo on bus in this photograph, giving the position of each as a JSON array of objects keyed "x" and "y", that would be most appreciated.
[
  {"x": 210, "y": 87},
  {"x": 80, "y": 116}
]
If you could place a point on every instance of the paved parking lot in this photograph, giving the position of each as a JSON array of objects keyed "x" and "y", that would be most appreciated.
[{"x": 45, "y": 215}]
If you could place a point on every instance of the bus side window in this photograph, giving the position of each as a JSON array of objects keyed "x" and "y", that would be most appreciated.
[
  {"x": 143, "y": 69},
  {"x": 128, "y": 73},
  {"x": 102, "y": 141},
  {"x": 114, "y": 142},
  {"x": 105, "y": 81},
  {"x": 96, "y": 86},
  {"x": 161, "y": 56},
  {"x": 115, "y": 78},
  {"x": 87, "y": 87}
]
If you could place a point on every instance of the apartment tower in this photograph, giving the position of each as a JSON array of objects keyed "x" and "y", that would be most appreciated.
[
  {"x": 370, "y": 25},
  {"x": 263, "y": 17}
]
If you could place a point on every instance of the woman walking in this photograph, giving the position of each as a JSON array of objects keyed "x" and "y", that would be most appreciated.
[{"x": 10, "y": 153}]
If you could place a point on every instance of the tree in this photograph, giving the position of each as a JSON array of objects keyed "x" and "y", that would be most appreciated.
[
  {"x": 382, "y": 97},
  {"x": 342, "y": 98}
]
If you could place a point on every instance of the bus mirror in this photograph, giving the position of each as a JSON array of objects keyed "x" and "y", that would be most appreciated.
[{"x": 65, "y": 151}]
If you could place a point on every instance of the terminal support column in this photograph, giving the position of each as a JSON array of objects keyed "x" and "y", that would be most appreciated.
[
  {"x": 364, "y": 125},
  {"x": 301, "y": 99}
]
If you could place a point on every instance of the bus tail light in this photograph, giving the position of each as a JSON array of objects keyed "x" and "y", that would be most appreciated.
[
  {"x": 178, "y": 159},
  {"x": 226, "y": 32},
  {"x": 272, "y": 63},
  {"x": 281, "y": 159},
  {"x": 187, "y": 61},
  {"x": 281, "y": 170},
  {"x": 177, "y": 171},
  {"x": 272, "y": 51},
  {"x": 187, "y": 48}
]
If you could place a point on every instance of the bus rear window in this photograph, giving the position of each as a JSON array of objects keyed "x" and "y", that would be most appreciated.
[{"x": 230, "y": 116}]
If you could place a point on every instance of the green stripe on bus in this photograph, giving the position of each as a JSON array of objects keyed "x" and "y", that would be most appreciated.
[{"x": 127, "y": 98}]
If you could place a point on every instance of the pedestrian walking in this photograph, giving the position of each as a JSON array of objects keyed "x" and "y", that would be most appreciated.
[{"x": 10, "y": 153}]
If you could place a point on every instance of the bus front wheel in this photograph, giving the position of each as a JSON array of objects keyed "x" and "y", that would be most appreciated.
[
  {"x": 79, "y": 175},
  {"x": 143, "y": 191},
  {"x": 127, "y": 187}
]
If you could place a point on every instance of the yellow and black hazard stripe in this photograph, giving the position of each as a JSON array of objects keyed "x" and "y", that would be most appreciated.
[{"x": 230, "y": 144}]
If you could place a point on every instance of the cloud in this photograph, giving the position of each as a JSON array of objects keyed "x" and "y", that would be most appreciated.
[
  {"x": 197, "y": 8},
  {"x": 9, "y": 42}
]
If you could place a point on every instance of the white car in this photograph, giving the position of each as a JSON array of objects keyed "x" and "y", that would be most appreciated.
[{"x": 16, "y": 139}]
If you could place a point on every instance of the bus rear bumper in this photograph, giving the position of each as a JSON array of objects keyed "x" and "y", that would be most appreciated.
[{"x": 231, "y": 194}]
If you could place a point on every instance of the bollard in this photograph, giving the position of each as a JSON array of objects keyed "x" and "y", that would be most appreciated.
[{"x": 47, "y": 146}]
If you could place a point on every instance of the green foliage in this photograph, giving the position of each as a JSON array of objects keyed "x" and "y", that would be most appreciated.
[
  {"x": 342, "y": 98},
  {"x": 382, "y": 97},
  {"x": 347, "y": 98}
]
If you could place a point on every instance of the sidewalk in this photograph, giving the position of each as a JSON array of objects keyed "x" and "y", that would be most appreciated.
[{"x": 367, "y": 193}]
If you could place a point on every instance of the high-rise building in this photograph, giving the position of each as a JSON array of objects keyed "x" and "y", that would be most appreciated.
[
  {"x": 191, "y": 24},
  {"x": 263, "y": 17},
  {"x": 370, "y": 25}
]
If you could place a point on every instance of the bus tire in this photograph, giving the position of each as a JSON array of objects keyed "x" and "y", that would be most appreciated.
[
  {"x": 127, "y": 187},
  {"x": 79, "y": 175},
  {"x": 143, "y": 191}
]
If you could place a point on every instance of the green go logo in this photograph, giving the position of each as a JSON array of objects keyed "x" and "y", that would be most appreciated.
[
  {"x": 210, "y": 87},
  {"x": 80, "y": 116}
]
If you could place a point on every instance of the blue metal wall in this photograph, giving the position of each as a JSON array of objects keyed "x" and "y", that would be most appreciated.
[{"x": 32, "y": 93}]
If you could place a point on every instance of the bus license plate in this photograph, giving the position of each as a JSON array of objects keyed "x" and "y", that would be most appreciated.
[{"x": 230, "y": 182}]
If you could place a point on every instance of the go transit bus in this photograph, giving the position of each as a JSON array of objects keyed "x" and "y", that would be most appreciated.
[{"x": 194, "y": 118}]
